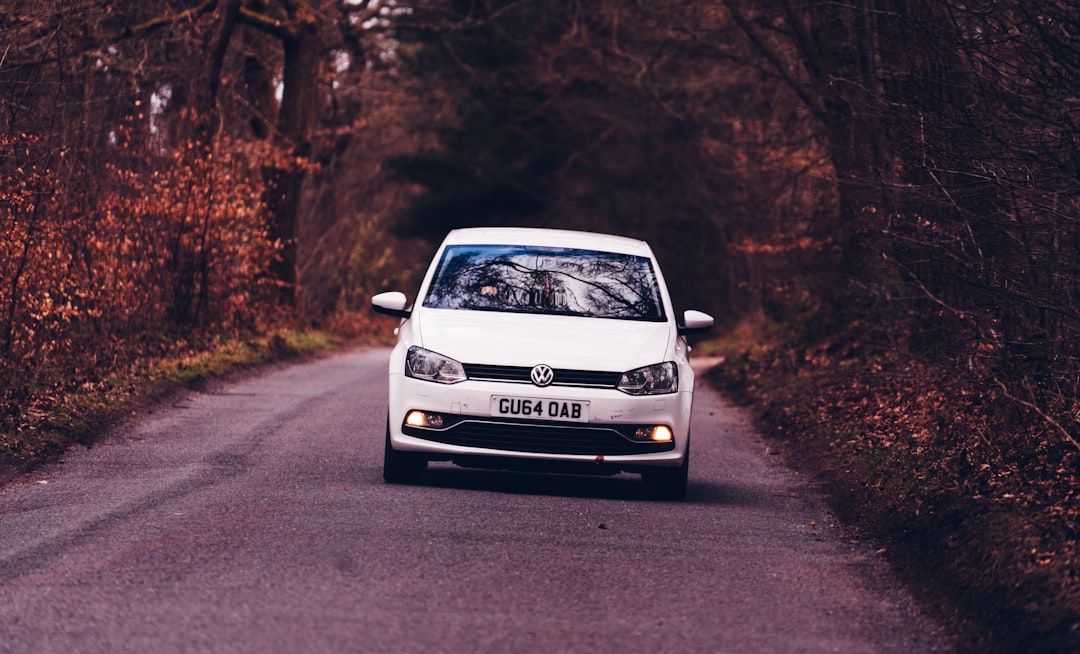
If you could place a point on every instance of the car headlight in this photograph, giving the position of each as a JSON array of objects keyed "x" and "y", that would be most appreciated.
[
  {"x": 431, "y": 366},
  {"x": 651, "y": 380}
]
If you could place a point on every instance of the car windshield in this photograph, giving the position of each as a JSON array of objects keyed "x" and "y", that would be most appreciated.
[{"x": 562, "y": 281}]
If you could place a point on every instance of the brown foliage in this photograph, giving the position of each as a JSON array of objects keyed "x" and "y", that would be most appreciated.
[
  {"x": 971, "y": 498},
  {"x": 100, "y": 265},
  {"x": 159, "y": 164}
]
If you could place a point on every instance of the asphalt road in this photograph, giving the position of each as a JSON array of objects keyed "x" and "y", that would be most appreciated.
[{"x": 253, "y": 518}]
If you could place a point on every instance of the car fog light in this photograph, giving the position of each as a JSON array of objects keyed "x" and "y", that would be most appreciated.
[
  {"x": 657, "y": 434},
  {"x": 421, "y": 419}
]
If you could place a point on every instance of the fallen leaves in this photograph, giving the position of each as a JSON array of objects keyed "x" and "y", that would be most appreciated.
[{"x": 933, "y": 453}]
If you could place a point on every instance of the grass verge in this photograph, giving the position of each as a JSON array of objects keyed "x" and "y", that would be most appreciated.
[{"x": 61, "y": 413}]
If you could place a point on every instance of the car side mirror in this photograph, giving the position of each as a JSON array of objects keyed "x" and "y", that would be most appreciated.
[
  {"x": 695, "y": 322},
  {"x": 391, "y": 303}
]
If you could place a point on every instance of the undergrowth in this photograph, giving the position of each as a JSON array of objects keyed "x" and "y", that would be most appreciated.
[{"x": 975, "y": 496}]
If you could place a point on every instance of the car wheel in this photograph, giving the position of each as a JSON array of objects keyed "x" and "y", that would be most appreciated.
[
  {"x": 401, "y": 467},
  {"x": 668, "y": 483}
]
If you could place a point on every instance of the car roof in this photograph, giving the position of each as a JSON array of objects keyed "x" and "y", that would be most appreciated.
[{"x": 547, "y": 238}]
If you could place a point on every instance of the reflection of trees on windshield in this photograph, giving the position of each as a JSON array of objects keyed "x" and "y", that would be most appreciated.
[{"x": 546, "y": 280}]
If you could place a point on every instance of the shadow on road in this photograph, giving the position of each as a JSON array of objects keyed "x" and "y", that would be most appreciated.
[{"x": 617, "y": 487}]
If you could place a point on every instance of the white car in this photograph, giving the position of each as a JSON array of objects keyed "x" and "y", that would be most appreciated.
[{"x": 541, "y": 349}]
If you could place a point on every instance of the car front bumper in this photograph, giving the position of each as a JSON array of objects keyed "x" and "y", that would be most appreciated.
[{"x": 470, "y": 429}]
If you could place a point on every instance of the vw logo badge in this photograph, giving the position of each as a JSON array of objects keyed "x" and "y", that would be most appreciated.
[{"x": 542, "y": 375}]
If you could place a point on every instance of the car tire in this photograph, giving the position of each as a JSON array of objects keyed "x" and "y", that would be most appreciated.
[
  {"x": 401, "y": 467},
  {"x": 668, "y": 484}
]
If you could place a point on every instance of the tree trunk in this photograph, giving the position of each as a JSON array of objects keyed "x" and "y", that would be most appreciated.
[{"x": 296, "y": 116}]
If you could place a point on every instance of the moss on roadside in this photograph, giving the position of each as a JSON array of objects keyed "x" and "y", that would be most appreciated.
[{"x": 60, "y": 413}]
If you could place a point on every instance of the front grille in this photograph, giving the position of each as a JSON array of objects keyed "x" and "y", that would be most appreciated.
[
  {"x": 563, "y": 377},
  {"x": 541, "y": 437}
]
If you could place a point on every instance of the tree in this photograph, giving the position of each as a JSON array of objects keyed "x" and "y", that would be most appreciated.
[{"x": 952, "y": 134}]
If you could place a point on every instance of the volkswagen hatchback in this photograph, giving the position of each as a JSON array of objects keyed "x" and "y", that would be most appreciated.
[{"x": 541, "y": 349}]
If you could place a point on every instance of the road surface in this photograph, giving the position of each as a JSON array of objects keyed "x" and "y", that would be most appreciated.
[{"x": 253, "y": 518}]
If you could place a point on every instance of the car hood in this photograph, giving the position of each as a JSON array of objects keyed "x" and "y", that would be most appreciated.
[{"x": 509, "y": 339}]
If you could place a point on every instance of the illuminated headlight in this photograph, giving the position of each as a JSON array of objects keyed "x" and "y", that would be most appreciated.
[
  {"x": 429, "y": 366},
  {"x": 657, "y": 434},
  {"x": 424, "y": 420},
  {"x": 651, "y": 380}
]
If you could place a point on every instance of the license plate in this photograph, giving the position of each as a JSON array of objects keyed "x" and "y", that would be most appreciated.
[{"x": 539, "y": 409}]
